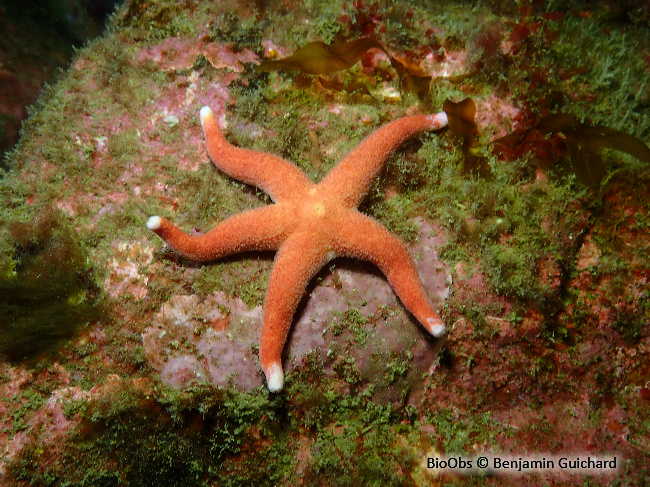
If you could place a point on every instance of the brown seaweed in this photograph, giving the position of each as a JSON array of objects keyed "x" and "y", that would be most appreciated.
[
  {"x": 461, "y": 116},
  {"x": 354, "y": 87},
  {"x": 412, "y": 78},
  {"x": 320, "y": 58},
  {"x": 415, "y": 80},
  {"x": 461, "y": 123},
  {"x": 454, "y": 80},
  {"x": 585, "y": 144}
]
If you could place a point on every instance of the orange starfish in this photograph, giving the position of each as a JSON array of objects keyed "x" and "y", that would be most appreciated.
[{"x": 309, "y": 225}]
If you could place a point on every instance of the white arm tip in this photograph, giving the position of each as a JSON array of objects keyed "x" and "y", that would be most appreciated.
[
  {"x": 275, "y": 378},
  {"x": 205, "y": 113},
  {"x": 436, "y": 327},
  {"x": 438, "y": 121},
  {"x": 154, "y": 223}
]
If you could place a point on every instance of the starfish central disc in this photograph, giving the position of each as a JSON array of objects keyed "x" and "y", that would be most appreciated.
[
  {"x": 308, "y": 226},
  {"x": 319, "y": 209}
]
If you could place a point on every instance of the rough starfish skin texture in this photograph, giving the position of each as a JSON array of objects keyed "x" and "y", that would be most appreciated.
[{"x": 309, "y": 225}]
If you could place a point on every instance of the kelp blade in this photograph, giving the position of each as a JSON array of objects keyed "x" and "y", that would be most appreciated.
[{"x": 319, "y": 58}]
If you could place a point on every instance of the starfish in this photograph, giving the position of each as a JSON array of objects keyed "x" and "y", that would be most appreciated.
[{"x": 308, "y": 225}]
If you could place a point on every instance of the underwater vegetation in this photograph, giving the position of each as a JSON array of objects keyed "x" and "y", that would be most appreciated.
[
  {"x": 317, "y": 58},
  {"x": 462, "y": 125},
  {"x": 138, "y": 434},
  {"x": 461, "y": 116},
  {"x": 584, "y": 143},
  {"x": 320, "y": 58},
  {"x": 47, "y": 290}
]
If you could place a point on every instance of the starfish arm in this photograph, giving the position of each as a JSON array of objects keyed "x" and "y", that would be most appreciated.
[
  {"x": 351, "y": 178},
  {"x": 260, "y": 229},
  {"x": 363, "y": 238},
  {"x": 296, "y": 263},
  {"x": 278, "y": 178}
]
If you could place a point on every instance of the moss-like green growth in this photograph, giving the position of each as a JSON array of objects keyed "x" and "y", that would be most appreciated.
[
  {"x": 141, "y": 437},
  {"x": 152, "y": 22},
  {"x": 47, "y": 291},
  {"x": 457, "y": 434},
  {"x": 630, "y": 323},
  {"x": 138, "y": 434},
  {"x": 236, "y": 277},
  {"x": 518, "y": 225}
]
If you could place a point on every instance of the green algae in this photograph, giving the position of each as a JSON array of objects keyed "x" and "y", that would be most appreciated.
[
  {"x": 501, "y": 219},
  {"x": 236, "y": 276},
  {"x": 203, "y": 436},
  {"x": 457, "y": 434},
  {"x": 153, "y": 22},
  {"x": 138, "y": 437},
  {"x": 47, "y": 290}
]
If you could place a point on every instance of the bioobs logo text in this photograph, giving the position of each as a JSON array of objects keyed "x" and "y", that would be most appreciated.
[
  {"x": 522, "y": 465},
  {"x": 452, "y": 463}
]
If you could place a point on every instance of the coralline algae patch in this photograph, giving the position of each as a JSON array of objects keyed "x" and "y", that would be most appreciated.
[
  {"x": 124, "y": 275},
  {"x": 54, "y": 416},
  {"x": 51, "y": 419},
  {"x": 174, "y": 54},
  {"x": 112, "y": 148},
  {"x": 434, "y": 273},
  {"x": 194, "y": 340},
  {"x": 509, "y": 374},
  {"x": 351, "y": 316},
  {"x": 191, "y": 88}
]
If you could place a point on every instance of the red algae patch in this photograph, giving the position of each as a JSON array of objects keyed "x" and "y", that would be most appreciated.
[
  {"x": 173, "y": 54},
  {"x": 125, "y": 275},
  {"x": 189, "y": 342}
]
